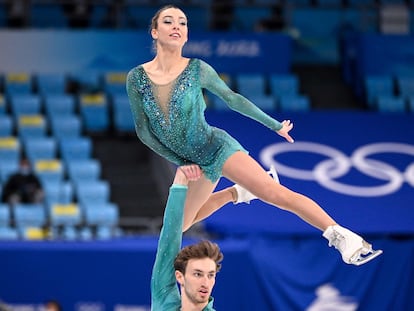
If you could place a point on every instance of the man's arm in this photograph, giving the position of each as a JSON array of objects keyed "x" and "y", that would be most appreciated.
[{"x": 163, "y": 282}]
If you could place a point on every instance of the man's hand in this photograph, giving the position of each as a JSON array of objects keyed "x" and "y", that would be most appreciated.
[{"x": 187, "y": 173}]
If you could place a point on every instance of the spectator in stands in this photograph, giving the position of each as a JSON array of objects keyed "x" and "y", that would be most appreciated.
[
  {"x": 23, "y": 186},
  {"x": 194, "y": 267},
  {"x": 168, "y": 109}
]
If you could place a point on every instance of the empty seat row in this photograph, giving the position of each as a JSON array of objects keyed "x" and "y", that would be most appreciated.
[
  {"x": 58, "y": 214},
  {"x": 114, "y": 83},
  {"x": 32, "y": 126},
  {"x": 297, "y": 103},
  {"x": 96, "y": 107},
  {"x": 96, "y": 111},
  {"x": 35, "y": 148},
  {"x": 67, "y": 221},
  {"x": 249, "y": 84},
  {"x": 61, "y": 83},
  {"x": 381, "y": 91}
]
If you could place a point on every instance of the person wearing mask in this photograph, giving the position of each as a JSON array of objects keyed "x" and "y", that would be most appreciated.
[{"x": 23, "y": 186}]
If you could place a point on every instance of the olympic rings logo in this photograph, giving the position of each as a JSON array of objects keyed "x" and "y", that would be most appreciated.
[{"x": 339, "y": 164}]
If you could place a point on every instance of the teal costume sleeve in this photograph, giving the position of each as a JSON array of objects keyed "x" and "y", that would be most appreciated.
[
  {"x": 164, "y": 291},
  {"x": 142, "y": 127},
  {"x": 212, "y": 82}
]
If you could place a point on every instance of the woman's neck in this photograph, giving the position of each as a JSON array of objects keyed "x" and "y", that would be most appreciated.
[{"x": 168, "y": 62}]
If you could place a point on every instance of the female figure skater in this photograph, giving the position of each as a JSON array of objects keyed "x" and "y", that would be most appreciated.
[{"x": 168, "y": 109}]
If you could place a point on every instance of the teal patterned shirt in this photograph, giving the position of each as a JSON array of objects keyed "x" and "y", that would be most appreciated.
[
  {"x": 180, "y": 132},
  {"x": 165, "y": 295}
]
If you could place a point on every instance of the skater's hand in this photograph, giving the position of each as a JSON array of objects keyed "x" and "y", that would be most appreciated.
[
  {"x": 284, "y": 131},
  {"x": 191, "y": 172}
]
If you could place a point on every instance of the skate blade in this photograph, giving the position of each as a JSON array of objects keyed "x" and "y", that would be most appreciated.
[
  {"x": 274, "y": 174},
  {"x": 362, "y": 260}
]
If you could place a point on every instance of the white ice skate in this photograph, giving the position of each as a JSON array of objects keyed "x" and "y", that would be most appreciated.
[
  {"x": 353, "y": 248},
  {"x": 244, "y": 196}
]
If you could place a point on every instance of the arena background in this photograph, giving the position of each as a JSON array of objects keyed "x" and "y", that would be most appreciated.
[{"x": 351, "y": 154}]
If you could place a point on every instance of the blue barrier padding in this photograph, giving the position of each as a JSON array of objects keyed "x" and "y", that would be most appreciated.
[{"x": 258, "y": 273}]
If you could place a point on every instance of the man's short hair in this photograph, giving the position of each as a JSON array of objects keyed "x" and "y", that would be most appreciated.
[{"x": 203, "y": 249}]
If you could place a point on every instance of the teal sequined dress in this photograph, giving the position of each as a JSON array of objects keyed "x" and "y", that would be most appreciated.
[{"x": 178, "y": 130}]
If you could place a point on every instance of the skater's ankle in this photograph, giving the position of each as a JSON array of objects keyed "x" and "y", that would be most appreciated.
[
  {"x": 330, "y": 226},
  {"x": 233, "y": 193}
]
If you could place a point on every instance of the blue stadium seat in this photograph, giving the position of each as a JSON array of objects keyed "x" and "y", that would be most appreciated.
[
  {"x": 8, "y": 233},
  {"x": 122, "y": 116},
  {"x": 31, "y": 232},
  {"x": 49, "y": 170},
  {"x": 69, "y": 233},
  {"x": 85, "y": 233},
  {"x": 104, "y": 232},
  {"x": 8, "y": 167},
  {"x": 6, "y": 125},
  {"x": 92, "y": 192},
  {"x": 65, "y": 214},
  {"x": 75, "y": 148},
  {"x": 18, "y": 83},
  {"x": 379, "y": 85},
  {"x": 83, "y": 170},
  {"x": 64, "y": 127},
  {"x": 9, "y": 149},
  {"x": 57, "y": 191},
  {"x": 391, "y": 104},
  {"x": 50, "y": 83},
  {"x": 264, "y": 102},
  {"x": 25, "y": 104},
  {"x": 44, "y": 148},
  {"x": 283, "y": 84},
  {"x": 30, "y": 126},
  {"x": 101, "y": 214},
  {"x": 94, "y": 110},
  {"x": 29, "y": 215},
  {"x": 5, "y": 215},
  {"x": 59, "y": 104},
  {"x": 294, "y": 103},
  {"x": 405, "y": 86},
  {"x": 86, "y": 81},
  {"x": 250, "y": 85},
  {"x": 115, "y": 83}
]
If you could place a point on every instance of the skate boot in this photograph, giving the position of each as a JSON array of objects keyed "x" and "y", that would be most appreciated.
[
  {"x": 244, "y": 196},
  {"x": 353, "y": 248}
]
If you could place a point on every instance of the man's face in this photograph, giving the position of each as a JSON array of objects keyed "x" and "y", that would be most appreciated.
[{"x": 198, "y": 281}]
